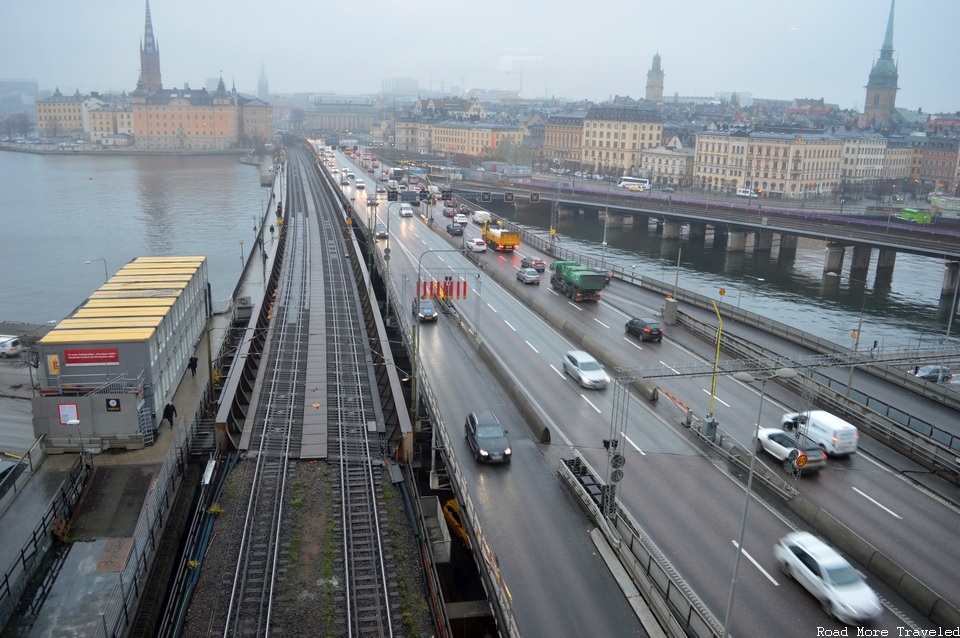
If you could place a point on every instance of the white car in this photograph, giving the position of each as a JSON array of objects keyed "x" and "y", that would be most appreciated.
[
  {"x": 797, "y": 452},
  {"x": 477, "y": 245},
  {"x": 823, "y": 572},
  {"x": 406, "y": 210},
  {"x": 585, "y": 370},
  {"x": 361, "y": 186}
]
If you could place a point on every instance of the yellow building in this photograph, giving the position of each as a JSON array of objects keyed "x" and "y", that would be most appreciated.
[
  {"x": 60, "y": 115},
  {"x": 563, "y": 138},
  {"x": 185, "y": 119},
  {"x": 472, "y": 138},
  {"x": 670, "y": 165},
  {"x": 614, "y": 138}
]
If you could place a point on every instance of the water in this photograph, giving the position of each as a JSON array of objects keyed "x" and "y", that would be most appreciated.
[
  {"x": 906, "y": 310},
  {"x": 60, "y": 211}
]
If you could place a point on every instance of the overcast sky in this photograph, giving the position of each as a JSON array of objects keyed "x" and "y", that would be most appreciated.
[{"x": 578, "y": 50}]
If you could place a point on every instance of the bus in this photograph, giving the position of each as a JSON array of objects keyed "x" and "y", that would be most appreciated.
[{"x": 634, "y": 183}]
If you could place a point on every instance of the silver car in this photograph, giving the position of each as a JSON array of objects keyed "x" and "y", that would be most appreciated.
[
  {"x": 585, "y": 370},
  {"x": 796, "y": 452},
  {"x": 823, "y": 572}
]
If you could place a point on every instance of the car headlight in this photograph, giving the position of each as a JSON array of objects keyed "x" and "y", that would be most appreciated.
[
  {"x": 484, "y": 453},
  {"x": 506, "y": 452}
]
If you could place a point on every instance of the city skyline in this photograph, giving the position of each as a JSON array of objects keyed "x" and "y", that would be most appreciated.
[{"x": 826, "y": 51}]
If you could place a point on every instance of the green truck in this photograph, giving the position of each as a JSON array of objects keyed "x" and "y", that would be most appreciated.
[{"x": 577, "y": 282}]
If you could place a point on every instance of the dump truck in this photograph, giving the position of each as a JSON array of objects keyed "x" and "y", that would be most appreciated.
[
  {"x": 577, "y": 282},
  {"x": 499, "y": 238}
]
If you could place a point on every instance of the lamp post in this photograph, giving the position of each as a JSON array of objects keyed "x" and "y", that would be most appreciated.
[
  {"x": 757, "y": 279},
  {"x": 606, "y": 219},
  {"x": 856, "y": 334},
  {"x": 106, "y": 276},
  {"x": 782, "y": 373},
  {"x": 241, "y": 255}
]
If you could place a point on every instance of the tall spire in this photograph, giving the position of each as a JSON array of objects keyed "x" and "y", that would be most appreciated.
[
  {"x": 886, "y": 51},
  {"x": 150, "y": 57},
  {"x": 882, "y": 83}
]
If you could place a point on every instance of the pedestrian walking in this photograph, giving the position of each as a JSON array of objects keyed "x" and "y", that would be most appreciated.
[
  {"x": 193, "y": 366},
  {"x": 169, "y": 414}
]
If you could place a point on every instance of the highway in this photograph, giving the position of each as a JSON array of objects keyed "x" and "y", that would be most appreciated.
[{"x": 684, "y": 499}]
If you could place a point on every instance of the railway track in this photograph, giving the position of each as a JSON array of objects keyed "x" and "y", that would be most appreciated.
[{"x": 365, "y": 598}]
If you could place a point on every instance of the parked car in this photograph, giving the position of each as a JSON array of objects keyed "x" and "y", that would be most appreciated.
[
  {"x": 528, "y": 276},
  {"x": 797, "y": 452},
  {"x": 585, "y": 370},
  {"x": 827, "y": 575},
  {"x": 477, "y": 245},
  {"x": 933, "y": 373},
  {"x": 451, "y": 513},
  {"x": 380, "y": 230},
  {"x": 455, "y": 229},
  {"x": 646, "y": 328},
  {"x": 533, "y": 262},
  {"x": 486, "y": 438},
  {"x": 424, "y": 310}
]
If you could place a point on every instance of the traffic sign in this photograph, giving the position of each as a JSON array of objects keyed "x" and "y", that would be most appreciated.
[
  {"x": 485, "y": 197},
  {"x": 508, "y": 197},
  {"x": 801, "y": 460},
  {"x": 534, "y": 198}
]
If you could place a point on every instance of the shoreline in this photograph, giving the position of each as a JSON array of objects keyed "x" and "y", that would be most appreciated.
[{"x": 53, "y": 149}]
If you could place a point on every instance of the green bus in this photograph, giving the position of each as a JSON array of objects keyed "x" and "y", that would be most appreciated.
[{"x": 914, "y": 215}]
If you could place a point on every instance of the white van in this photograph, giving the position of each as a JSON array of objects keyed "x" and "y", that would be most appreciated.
[
  {"x": 746, "y": 192},
  {"x": 834, "y": 435},
  {"x": 481, "y": 217},
  {"x": 9, "y": 346}
]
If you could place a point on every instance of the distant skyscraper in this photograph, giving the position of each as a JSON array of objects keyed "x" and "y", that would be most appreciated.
[
  {"x": 882, "y": 85},
  {"x": 655, "y": 81},
  {"x": 150, "y": 58},
  {"x": 263, "y": 89}
]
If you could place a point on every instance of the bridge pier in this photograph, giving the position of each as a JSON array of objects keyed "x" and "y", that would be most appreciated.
[
  {"x": 697, "y": 232},
  {"x": 860, "y": 261},
  {"x": 833, "y": 259},
  {"x": 736, "y": 241},
  {"x": 788, "y": 246},
  {"x": 951, "y": 282},
  {"x": 763, "y": 241},
  {"x": 886, "y": 258},
  {"x": 671, "y": 230}
]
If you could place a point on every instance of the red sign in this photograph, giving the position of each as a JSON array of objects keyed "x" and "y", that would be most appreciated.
[{"x": 94, "y": 357}]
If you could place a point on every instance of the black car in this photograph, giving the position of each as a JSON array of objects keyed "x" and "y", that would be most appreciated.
[
  {"x": 533, "y": 262},
  {"x": 486, "y": 438},
  {"x": 646, "y": 328},
  {"x": 455, "y": 229},
  {"x": 449, "y": 211}
]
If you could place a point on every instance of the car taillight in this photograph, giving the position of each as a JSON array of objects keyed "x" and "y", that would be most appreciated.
[{"x": 646, "y": 329}]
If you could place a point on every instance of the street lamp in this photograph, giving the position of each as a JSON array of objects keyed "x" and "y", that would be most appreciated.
[
  {"x": 856, "y": 334},
  {"x": 782, "y": 373},
  {"x": 757, "y": 279},
  {"x": 106, "y": 276}
]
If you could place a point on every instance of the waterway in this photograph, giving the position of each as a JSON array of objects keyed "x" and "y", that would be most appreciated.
[{"x": 60, "y": 211}]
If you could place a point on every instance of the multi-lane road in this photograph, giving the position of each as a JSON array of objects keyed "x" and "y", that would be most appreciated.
[{"x": 683, "y": 498}]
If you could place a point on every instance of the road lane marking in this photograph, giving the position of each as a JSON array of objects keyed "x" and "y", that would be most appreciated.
[
  {"x": 492, "y": 308},
  {"x": 531, "y": 347},
  {"x": 591, "y": 404},
  {"x": 562, "y": 375},
  {"x": 509, "y": 326},
  {"x": 635, "y": 446},
  {"x": 575, "y": 306},
  {"x": 757, "y": 565},
  {"x": 716, "y": 398},
  {"x": 667, "y": 366},
  {"x": 633, "y": 343},
  {"x": 601, "y": 323},
  {"x": 877, "y": 503}
]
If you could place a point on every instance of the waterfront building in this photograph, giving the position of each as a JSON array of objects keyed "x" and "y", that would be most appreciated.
[
  {"x": 562, "y": 139},
  {"x": 614, "y": 138},
  {"x": 455, "y": 137},
  {"x": 862, "y": 160},
  {"x": 668, "y": 165}
]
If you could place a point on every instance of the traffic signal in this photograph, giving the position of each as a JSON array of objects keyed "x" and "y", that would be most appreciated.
[
  {"x": 485, "y": 197},
  {"x": 508, "y": 197},
  {"x": 392, "y": 196},
  {"x": 534, "y": 198},
  {"x": 424, "y": 195}
]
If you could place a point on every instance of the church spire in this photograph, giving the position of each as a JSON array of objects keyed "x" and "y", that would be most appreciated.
[
  {"x": 882, "y": 83},
  {"x": 150, "y": 57},
  {"x": 886, "y": 51}
]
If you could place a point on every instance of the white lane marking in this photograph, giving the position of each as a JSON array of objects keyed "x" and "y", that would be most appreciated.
[
  {"x": 635, "y": 446},
  {"x": 669, "y": 368},
  {"x": 560, "y": 372},
  {"x": 716, "y": 398},
  {"x": 591, "y": 404},
  {"x": 877, "y": 503},
  {"x": 553, "y": 291},
  {"x": 492, "y": 308},
  {"x": 531, "y": 347},
  {"x": 509, "y": 326},
  {"x": 633, "y": 343},
  {"x": 441, "y": 259},
  {"x": 575, "y": 306},
  {"x": 757, "y": 565},
  {"x": 601, "y": 323}
]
